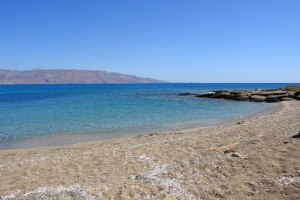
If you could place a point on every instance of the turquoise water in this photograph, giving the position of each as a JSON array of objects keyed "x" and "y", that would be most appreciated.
[{"x": 31, "y": 112}]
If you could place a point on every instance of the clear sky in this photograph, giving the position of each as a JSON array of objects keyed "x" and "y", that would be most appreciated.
[{"x": 171, "y": 40}]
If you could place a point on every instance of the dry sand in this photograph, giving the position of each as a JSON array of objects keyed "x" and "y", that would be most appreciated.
[{"x": 251, "y": 159}]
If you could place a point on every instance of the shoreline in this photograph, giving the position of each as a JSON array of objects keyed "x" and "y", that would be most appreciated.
[
  {"x": 250, "y": 158},
  {"x": 77, "y": 138}
]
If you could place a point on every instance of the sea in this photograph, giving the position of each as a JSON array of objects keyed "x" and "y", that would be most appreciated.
[{"x": 42, "y": 115}]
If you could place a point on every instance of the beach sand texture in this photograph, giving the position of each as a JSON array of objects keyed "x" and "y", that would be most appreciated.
[{"x": 250, "y": 159}]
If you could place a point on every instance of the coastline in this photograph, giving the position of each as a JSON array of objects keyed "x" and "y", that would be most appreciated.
[
  {"x": 251, "y": 158},
  {"x": 76, "y": 138}
]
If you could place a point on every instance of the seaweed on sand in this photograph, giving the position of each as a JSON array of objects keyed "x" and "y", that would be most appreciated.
[{"x": 230, "y": 145}]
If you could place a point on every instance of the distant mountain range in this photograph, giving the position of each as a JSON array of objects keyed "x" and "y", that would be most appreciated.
[{"x": 62, "y": 76}]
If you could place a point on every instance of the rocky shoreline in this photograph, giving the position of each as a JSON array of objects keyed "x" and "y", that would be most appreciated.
[{"x": 269, "y": 96}]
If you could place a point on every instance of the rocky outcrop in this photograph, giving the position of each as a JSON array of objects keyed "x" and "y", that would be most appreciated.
[{"x": 269, "y": 96}]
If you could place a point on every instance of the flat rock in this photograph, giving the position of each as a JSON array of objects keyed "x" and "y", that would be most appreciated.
[
  {"x": 218, "y": 96},
  {"x": 242, "y": 97},
  {"x": 230, "y": 96},
  {"x": 237, "y": 92},
  {"x": 286, "y": 99},
  {"x": 267, "y": 93},
  {"x": 278, "y": 96},
  {"x": 291, "y": 94},
  {"x": 257, "y": 98},
  {"x": 271, "y": 100}
]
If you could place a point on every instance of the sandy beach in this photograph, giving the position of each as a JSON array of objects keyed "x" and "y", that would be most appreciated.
[{"x": 254, "y": 158}]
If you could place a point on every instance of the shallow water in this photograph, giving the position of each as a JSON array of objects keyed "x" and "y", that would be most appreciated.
[{"x": 31, "y": 115}]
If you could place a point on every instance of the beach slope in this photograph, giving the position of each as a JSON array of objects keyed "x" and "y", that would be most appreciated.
[{"x": 254, "y": 158}]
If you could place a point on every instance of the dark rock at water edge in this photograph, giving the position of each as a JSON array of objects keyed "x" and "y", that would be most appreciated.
[
  {"x": 186, "y": 94},
  {"x": 269, "y": 96},
  {"x": 204, "y": 95}
]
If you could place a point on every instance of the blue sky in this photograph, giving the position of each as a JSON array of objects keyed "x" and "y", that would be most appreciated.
[{"x": 171, "y": 40}]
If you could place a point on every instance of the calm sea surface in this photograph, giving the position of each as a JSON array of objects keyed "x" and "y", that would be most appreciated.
[{"x": 34, "y": 115}]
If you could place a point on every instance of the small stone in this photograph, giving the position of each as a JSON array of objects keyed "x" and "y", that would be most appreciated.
[
  {"x": 297, "y": 135},
  {"x": 229, "y": 151},
  {"x": 236, "y": 154}
]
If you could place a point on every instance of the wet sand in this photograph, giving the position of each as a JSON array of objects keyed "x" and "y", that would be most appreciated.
[{"x": 252, "y": 158}]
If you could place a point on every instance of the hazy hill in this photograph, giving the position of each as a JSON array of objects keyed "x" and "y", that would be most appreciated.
[{"x": 38, "y": 76}]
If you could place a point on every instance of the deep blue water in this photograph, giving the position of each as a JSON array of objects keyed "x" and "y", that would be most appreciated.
[{"x": 41, "y": 111}]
